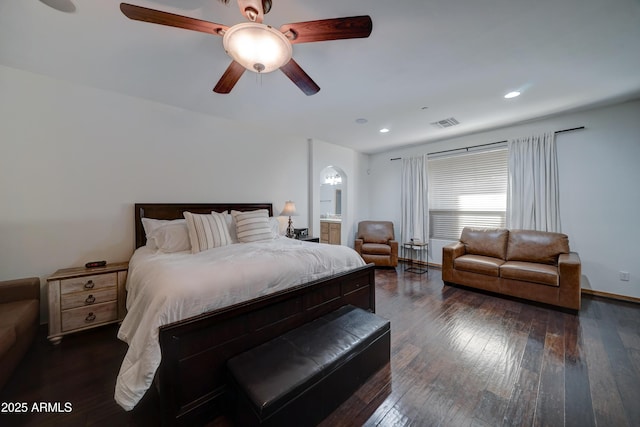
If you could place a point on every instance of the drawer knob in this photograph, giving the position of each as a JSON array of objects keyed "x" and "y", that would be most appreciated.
[
  {"x": 89, "y": 284},
  {"x": 90, "y": 299},
  {"x": 90, "y": 317}
]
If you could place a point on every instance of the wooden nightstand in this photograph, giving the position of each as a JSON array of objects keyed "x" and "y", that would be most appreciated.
[{"x": 83, "y": 298}]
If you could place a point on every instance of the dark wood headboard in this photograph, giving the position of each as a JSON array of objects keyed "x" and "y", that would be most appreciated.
[{"x": 175, "y": 211}]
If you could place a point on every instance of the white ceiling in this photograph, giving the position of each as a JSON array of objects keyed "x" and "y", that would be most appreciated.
[{"x": 455, "y": 57}]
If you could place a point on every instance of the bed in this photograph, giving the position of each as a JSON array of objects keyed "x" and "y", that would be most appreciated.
[{"x": 191, "y": 378}]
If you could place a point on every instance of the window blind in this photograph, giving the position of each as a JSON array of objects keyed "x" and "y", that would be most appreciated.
[{"x": 468, "y": 189}]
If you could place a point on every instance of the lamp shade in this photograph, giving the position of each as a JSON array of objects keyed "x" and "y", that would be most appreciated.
[
  {"x": 289, "y": 209},
  {"x": 257, "y": 47}
]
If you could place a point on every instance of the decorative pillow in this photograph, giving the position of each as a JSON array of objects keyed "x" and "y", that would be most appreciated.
[
  {"x": 252, "y": 226},
  {"x": 166, "y": 235},
  {"x": 207, "y": 231},
  {"x": 231, "y": 227}
]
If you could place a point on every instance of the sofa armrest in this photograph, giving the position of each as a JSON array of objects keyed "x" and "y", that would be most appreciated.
[
  {"x": 358, "y": 245},
  {"x": 569, "y": 272},
  {"x": 454, "y": 250},
  {"x": 394, "y": 252},
  {"x": 449, "y": 253},
  {"x": 569, "y": 266},
  {"x": 20, "y": 289}
]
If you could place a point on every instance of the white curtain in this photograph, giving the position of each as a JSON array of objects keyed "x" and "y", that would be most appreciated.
[
  {"x": 414, "y": 196},
  {"x": 532, "y": 187}
]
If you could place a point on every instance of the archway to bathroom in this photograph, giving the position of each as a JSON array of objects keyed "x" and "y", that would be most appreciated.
[{"x": 332, "y": 204}]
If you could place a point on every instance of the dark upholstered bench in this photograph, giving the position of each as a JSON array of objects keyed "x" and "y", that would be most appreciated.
[{"x": 302, "y": 376}]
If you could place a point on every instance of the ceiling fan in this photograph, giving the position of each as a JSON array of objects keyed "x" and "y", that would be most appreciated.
[{"x": 258, "y": 47}]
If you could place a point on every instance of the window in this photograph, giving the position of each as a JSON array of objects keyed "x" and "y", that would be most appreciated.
[{"x": 468, "y": 189}]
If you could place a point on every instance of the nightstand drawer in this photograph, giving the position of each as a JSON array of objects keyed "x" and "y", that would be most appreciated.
[
  {"x": 93, "y": 282},
  {"x": 82, "y": 317},
  {"x": 90, "y": 297}
]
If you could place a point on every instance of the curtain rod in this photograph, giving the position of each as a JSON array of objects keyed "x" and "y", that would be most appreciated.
[{"x": 490, "y": 143}]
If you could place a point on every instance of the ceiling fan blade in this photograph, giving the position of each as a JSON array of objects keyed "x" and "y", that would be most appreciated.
[
  {"x": 301, "y": 79},
  {"x": 140, "y": 13},
  {"x": 328, "y": 29},
  {"x": 230, "y": 77}
]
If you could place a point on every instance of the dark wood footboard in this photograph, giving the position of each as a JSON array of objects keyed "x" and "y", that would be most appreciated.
[{"x": 192, "y": 377}]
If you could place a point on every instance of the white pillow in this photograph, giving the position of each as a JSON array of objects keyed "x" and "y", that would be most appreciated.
[
  {"x": 275, "y": 225},
  {"x": 172, "y": 237},
  {"x": 207, "y": 231},
  {"x": 149, "y": 225},
  {"x": 252, "y": 226},
  {"x": 167, "y": 235}
]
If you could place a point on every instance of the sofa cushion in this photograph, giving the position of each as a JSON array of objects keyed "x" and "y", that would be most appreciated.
[
  {"x": 530, "y": 272},
  {"x": 20, "y": 315},
  {"x": 490, "y": 242},
  {"x": 536, "y": 246},
  {"x": 7, "y": 338},
  {"x": 376, "y": 249},
  {"x": 478, "y": 264},
  {"x": 19, "y": 289}
]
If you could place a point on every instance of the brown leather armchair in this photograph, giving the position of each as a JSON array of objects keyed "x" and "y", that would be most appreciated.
[
  {"x": 19, "y": 320},
  {"x": 375, "y": 242}
]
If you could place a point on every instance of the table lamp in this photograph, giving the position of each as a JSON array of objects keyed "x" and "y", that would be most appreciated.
[{"x": 289, "y": 210}]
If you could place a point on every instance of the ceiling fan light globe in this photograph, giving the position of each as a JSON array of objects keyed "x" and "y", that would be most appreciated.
[{"x": 257, "y": 47}]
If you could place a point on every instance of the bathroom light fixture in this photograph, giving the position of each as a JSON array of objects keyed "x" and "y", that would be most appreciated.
[
  {"x": 384, "y": 130},
  {"x": 257, "y": 47},
  {"x": 333, "y": 179},
  {"x": 512, "y": 94}
]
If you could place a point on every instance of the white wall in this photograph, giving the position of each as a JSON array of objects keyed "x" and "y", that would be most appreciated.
[
  {"x": 599, "y": 185},
  {"x": 74, "y": 160}
]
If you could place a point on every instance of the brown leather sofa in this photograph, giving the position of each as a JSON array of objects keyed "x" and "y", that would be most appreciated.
[
  {"x": 19, "y": 320},
  {"x": 375, "y": 242},
  {"x": 533, "y": 265}
]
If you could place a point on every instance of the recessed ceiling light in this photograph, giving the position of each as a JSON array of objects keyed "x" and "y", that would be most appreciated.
[
  {"x": 361, "y": 121},
  {"x": 512, "y": 94},
  {"x": 384, "y": 130}
]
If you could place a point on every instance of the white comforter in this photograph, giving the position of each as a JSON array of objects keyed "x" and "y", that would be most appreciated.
[{"x": 163, "y": 288}]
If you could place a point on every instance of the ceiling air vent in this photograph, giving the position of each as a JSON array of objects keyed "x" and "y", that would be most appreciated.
[{"x": 446, "y": 123}]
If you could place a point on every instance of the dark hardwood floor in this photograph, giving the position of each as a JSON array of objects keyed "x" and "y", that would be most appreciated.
[{"x": 458, "y": 358}]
